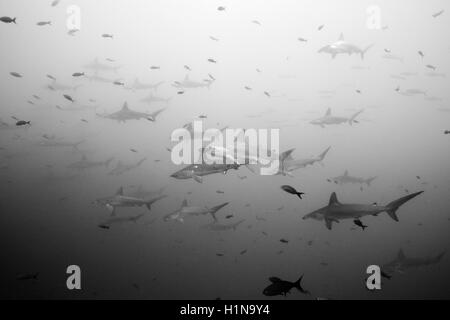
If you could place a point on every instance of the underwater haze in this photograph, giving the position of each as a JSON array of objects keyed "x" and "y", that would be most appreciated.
[{"x": 91, "y": 92}]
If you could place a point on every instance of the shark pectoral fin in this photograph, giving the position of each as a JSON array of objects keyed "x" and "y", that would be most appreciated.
[
  {"x": 149, "y": 206},
  {"x": 328, "y": 223},
  {"x": 111, "y": 209},
  {"x": 197, "y": 178}
]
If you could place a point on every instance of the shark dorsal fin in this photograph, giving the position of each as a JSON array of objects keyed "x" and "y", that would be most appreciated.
[
  {"x": 333, "y": 199},
  {"x": 328, "y": 113},
  {"x": 274, "y": 279},
  {"x": 346, "y": 173},
  {"x": 119, "y": 192},
  {"x": 184, "y": 204},
  {"x": 125, "y": 106},
  {"x": 400, "y": 255},
  {"x": 341, "y": 37}
]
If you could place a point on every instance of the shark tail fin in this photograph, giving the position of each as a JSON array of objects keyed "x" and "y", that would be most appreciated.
[
  {"x": 369, "y": 181},
  {"x": 158, "y": 84},
  {"x": 364, "y": 51},
  {"x": 213, "y": 210},
  {"x": 75, "y": 146},
  {"x": 141, "y": 162},
  {"x": 298, "y": 286},
  {"x": 14, "y": 20},
  {"x": 152, "y": 201},
  {"x": 108, "y": 162},
  {"x": 323, "y": 154},
  {"x": 394, "y": 205},
  {"x": 352, "y": 119}
]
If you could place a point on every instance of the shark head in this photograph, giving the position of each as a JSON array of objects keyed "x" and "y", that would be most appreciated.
[{"x": 316, "y": 215}]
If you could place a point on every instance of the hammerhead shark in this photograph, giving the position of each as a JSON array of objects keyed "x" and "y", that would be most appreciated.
[
  {"x": 190, "y": 84},
  {"x": 329, "y": 119},
  {"x": 121, "y": 168},
  {"x": 137, "y": 85},
  {"x": 346, "y": 178},
  {"x": 402, "y": 263},
  {"x": 84, "y": 163},
  {"x": 336, "y": 211},
  {"x": 342, "y": 46},
  {"x": 97, "y": 66},
  {"x": 197, "y": 171},
  {"x": 223, "y": 227},
  {"x": 127, "y": 114},
  {"x": 119, "y": 200},
  {"x": 289, "y": 164},
  {"x": 186, "y": 211}
]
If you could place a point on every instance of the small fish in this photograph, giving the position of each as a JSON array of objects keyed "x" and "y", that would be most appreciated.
[
  {"x": 84, "y": 120},
  {"x": 44, "y": 23},
  {"x": 267, "y": 94},
  {"x": 421, "y": 54},
  {"x": 55, "y": 3},
  {"x": 21, "y": 123},
  {"x": 242, "y": 178},
  {"x": 155, "y": 67},
  {"x": 302, "y": 40},
  {"x": 36, "y": 97},
  {"x": 243, "y": 252},
  {"x": 280, "y": 208},
  {"x": 358, "y": 91},
  {"x": 320, "y": 27},
  {"x": 72, "y": 32},
  {"x": 220, "y": 192},
  {"x": 387, "y": 50},
  {"x": 418, "y": 177},
  {"x": 221, "y": 8},
  {"x": 16, "y": 74},
  {"x": 229, "y": 216},
  {"x": 256, "y": 22},
  {"x": 359, "y": 224},
  {"x": 78, "y": 74},
  {"x": 284, "y": 241},
  {"x": 187, "y": 67},
  {"x": 291, "y": 190},
  {"x": 202, "y": 116},
  {"x": 106, "y": 35},
  {"x": 68, "y": 98},
  {"x": 51, "y": 77},
  {"x": 211, "y": 77},
  {"x": 110, "y": 60},
  {"x": 437, "y": 14},
  {"x": 118, "y": 83},
  {"x": 28, "y": 276},
  {"x": 8, "y": 20},
  {"x": 219, "y": 254},
  {"x": 429, "y": 66},
  {"x": 213, "y": 38},
  {"x": 180, "y": 92},
  {"x": 212, "y": 60},
  {"x": 134, "y": 150},
  {"x": 248, "y": 88},
  {"x": 447, "y": 132}
]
